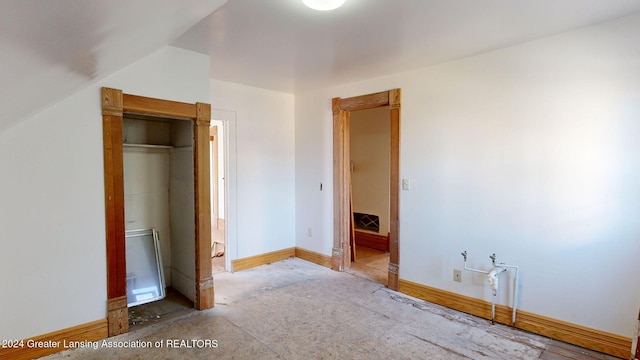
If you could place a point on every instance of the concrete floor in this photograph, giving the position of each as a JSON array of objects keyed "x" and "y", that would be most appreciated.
[{"x": 294, "y": 309}]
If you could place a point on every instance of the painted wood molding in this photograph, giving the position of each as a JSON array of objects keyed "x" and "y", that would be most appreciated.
[
  {"x": 593, "y": 339},
  {"x": 92, "y": 331},
  {"x": 262, "y": 259},
  {"x": 314, "y": 257}
]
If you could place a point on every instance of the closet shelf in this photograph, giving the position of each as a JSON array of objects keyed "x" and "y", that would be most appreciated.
[{"x": 148, "y": 146}]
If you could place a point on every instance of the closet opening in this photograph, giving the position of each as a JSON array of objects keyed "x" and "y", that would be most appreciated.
[
  {"x": 159, "y": 213},
  {"x": 158, "y": 216}
]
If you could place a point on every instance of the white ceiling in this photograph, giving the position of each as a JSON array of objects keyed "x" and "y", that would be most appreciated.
[
  {"x": 282, "y": 45},
  {"x": 51, "y": 49}
]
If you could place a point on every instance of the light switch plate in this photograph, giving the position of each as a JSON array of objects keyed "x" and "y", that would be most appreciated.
[{"x": 406, "y": 185}]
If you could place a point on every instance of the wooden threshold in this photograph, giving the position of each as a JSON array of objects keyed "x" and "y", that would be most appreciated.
[{"x": 593, "y": 339}]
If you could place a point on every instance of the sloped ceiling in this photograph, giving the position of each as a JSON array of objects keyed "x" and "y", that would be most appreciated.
[
  {"x": 51, "y": 49},
  {"x": 282, "y": 45}
]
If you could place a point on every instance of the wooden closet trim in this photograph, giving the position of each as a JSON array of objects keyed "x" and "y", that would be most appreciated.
[
  {"x": 341, "y": 252},
  {"x": 115, "y": 105}
]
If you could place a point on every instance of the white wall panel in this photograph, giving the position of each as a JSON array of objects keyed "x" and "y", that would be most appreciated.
[
  {"x": 264, "y": 168},
  {"x": 52, "y": 222},
  {"x": 530, "y": 152}
]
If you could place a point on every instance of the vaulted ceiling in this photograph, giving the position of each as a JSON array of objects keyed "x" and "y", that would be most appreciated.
[{"x": 51, "y": 49}]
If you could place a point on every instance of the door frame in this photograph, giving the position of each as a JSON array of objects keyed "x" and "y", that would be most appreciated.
[
  {"x": 115, "y": 105},
  {"x": 342, "y": 108}
]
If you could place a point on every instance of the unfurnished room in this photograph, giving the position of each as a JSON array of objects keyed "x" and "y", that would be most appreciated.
[{"x": 320, "y": 179}]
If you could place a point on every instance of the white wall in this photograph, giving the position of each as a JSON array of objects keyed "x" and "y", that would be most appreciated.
[
  {"x": 146, "y": 196},
  {"x": 369, "y": 151},
  {"x": 530, "y": 152},
  {"x": 264, "y": 149},
  {"x": 181, "y": 200},
  {"x": 146, "y": 182},
  {"x": 181, "y": 197},
  {"x": 52, "y": 229}
]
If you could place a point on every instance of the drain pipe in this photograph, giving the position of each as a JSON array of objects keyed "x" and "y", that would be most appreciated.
[
  {"x": 516, "y": 285},
  {"x": 493, "y": 283},
  {"x": 493, "y": 276}
]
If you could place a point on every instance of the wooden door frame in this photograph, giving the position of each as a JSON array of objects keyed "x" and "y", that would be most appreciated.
[
  {"x": 115, "y": 104},
  {"x": 341, "y": 253}
]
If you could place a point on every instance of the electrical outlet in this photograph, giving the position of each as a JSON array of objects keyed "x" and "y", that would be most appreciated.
[
  {"x": 309, "y": 232},
  {"x": 457, "y": 275}
]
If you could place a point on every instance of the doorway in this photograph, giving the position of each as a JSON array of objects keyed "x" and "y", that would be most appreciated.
[
  {"x": 115, "y": 105},
  {"x": 369, "y": 149},
  {"x": 218, "y": 233},
  {"x": 343, "y": 240}
]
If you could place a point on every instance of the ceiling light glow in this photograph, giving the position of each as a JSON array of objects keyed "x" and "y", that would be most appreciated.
[{"x": 323, "y": 5}]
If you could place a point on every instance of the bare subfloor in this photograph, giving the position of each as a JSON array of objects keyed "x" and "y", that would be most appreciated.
[
  {"x": 172, "y": 306},
  {"x": 294, "y": 309}
]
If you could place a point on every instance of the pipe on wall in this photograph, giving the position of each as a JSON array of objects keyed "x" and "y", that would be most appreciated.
[{"x": 493, "y": 278}]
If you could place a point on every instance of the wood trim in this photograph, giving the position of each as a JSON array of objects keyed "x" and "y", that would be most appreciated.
[
  {"x": 364, "y": 102},
  {"x": 593, "y": 339},
  {"x": 202, "y": 186},
  {"x": 605, "y": 342},
  {"x": 341, "y": 176},
  {"x": 111, "y": 102},
  {"x": 115, "y": 105},
  {"x": 114, "y": 191},
  {"x": 140, "y": 105},
  {"x": 93, "y": 331},
  {"x": 346, "y": 194},
  {"x": 373, "y": 241},
  {"x": 637, "y": 343},
  {"x": 262, "y": 259},
  {"x": 313, "y": 257},
  {"x": 394, "y": 187},
  {"x": 118, "y": 315},
  {"x": 340, "y": 190}
]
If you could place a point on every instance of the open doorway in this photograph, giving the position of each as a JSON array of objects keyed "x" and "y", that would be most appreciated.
[
  {"x": 343, "y": 240},
  {"x": 218, "y": 233},
  {"x": 370, "y": 133}
]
